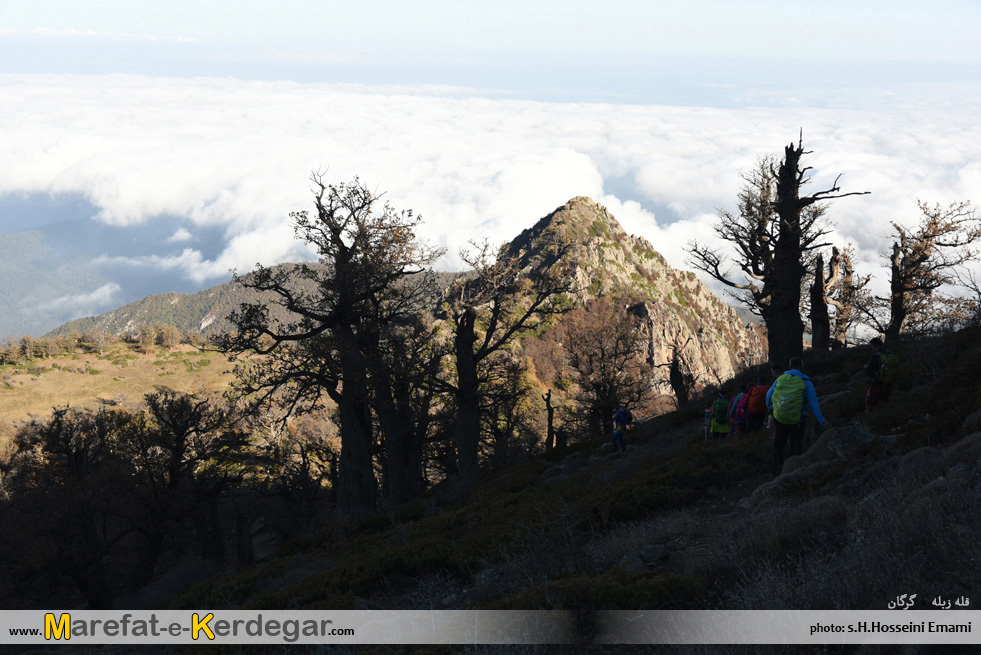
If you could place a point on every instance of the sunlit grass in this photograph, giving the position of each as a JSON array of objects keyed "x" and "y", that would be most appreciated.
[{"x": 74, "y": 379}]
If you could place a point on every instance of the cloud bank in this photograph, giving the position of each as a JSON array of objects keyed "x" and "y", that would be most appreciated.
[
  {"x": 68, "y": 308},
  {"x": 236, "y": 156}
]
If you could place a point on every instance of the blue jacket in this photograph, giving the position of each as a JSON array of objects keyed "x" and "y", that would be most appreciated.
[{"x": 810, "y": 398}]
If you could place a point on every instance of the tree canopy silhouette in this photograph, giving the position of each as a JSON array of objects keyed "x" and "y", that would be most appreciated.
[
  {"x": 773, "y": 234},
  {"x": 369, "y": 278}
]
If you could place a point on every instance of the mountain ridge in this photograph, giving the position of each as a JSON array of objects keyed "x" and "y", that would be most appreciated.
[{"x": 679, "y": 313}]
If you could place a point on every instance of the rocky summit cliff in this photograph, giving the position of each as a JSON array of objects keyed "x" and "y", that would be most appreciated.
[{"x": 680, "y": 314}]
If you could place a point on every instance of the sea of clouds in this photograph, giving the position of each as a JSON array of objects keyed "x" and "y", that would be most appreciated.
[{"x": 236, "y": 156}]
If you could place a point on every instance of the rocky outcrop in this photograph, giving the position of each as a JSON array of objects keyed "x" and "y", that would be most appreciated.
[{"x": 679, "y": 313}]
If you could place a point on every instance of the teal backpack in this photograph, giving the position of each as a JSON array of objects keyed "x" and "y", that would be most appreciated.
[{"x": 788, "y": 399}]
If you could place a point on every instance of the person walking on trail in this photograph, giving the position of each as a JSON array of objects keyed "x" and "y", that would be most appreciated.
[
  {"x": 881, "y": 372},
  {"x": 790, "y": 398},
  {"x": 620, "y": 419},
  {"x": 720, "y": 415},
  {"x": 756, "y": 406},
  {"x": 775, "y": 372},
  {"x": 731, "y": 413},
  {"x": 740, "y": 410}
]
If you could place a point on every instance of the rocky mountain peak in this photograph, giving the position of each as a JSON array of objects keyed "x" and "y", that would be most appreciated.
[
  {"x": 678, "y": 312},
  {"x": 580, "y": 222}
]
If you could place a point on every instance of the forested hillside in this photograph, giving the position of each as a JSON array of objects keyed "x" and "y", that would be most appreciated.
[{"x": 32, "y": 293}]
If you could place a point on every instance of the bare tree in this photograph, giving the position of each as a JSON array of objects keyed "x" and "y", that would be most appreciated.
[
  {"x": 820, "y": 318},
  {"x": 369, "y": 257},
  {"x": 924, "y": 259},
  {"x": 406, "y": 363},
  {"x": 773, "y": 234},
  {"x": 681, "y": 379},
  {"x": 606, "y": 347},
  {"x": 550, "y": 420},
  {"x": 970, "y": 305},
  {"x": 505, "y": 297},
  {"x": 845, "y": 293},
  {"x": 506, "y": 391}
]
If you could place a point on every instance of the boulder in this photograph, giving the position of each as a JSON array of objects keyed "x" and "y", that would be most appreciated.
[
  {"x": 845, "y": 441},
  {"x": 653, "y": 554},
  {"x": 784, "y": 487},
  {"x": 816, "y": 452},
  {"x": 966, "y": 451},
  {"x": 910, "y": 470},
  {"x": 632, "y": 562}
]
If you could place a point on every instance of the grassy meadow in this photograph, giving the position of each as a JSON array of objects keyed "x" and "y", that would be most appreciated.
[{"x": 122, "y": 374}]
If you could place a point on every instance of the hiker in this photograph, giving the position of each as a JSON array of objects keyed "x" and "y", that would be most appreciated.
[
  {"x": 756, "y": 406},
  {"x": 741, "y": 409},
  {"x": 620, "y": 420},
  {"x": 720, "y": 415},
  {"x": 618, "y": 439},
  {"x": 731, "y": 412},
  {"x": 790, "y": 398},
  {"x": 775, "y": 372},
  {"x": 881, "y": 372},
  {"x": 621, "y": 417}
]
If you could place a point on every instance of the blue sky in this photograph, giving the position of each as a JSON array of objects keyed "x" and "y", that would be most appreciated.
[{"x": 203, "y": 120}]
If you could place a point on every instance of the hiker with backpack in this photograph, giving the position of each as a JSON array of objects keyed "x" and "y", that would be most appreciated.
[
  {"x": 881, "y": 372},
  {"x": 720, "y": 415},
  {"x": 791, "y": 398},
  {"x": 620, "y": 420},
  {"x": 737, "y": 412},
  {"x": 775, "y": 371},
  {"x": 756, "y": 405}
]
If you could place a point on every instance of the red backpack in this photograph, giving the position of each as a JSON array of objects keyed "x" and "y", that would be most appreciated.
[{"x": 757, "y": 399}]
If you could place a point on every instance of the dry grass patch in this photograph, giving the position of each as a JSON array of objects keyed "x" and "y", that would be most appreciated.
[{"x": 88, "y": 379}]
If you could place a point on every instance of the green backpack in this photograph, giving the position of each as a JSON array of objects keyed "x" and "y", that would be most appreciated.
[
  {"x": 788, "y": 399},
  {"x": 888, "y": 365},
  {"x": 720, "y": 410}
]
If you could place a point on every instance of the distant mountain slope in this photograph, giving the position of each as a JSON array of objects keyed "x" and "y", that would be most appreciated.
[
  {"x": 197, "y": 312},
  {"x": 204, "y": 312},
  {"x": 37, "y": 293},
  {"x": 59, "y": 261}
]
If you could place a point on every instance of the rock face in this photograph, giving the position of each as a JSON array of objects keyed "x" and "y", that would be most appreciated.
[{"x": 677, "y": 310}]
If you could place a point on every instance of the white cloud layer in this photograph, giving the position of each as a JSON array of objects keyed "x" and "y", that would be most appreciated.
[
  {"x": 67, "y": 308},
  {"x": 238, "y": 155}
]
